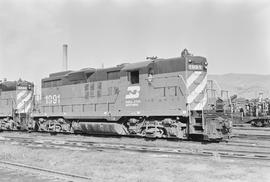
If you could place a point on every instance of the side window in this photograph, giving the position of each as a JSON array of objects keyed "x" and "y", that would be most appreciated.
[{"x": 134, "y": 77}]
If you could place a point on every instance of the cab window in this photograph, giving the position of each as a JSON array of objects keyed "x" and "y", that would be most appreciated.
[{"x": 134, "y": 77}]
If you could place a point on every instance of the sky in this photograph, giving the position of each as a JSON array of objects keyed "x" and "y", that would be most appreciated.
[{"x": 234, "y": 35}]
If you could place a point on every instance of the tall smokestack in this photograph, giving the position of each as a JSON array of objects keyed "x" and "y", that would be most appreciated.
[
  {"x": 65, "y": 57},
  {"x": 260, "y": 96}
]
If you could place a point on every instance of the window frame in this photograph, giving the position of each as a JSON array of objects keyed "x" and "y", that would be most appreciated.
[{"x": 135, "y": 80}]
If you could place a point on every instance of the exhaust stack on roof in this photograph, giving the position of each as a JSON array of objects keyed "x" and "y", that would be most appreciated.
[{"x": 65, "y": 57}]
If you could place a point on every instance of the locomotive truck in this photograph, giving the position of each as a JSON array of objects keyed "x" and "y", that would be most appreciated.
[{"x": 153, "y": 98}]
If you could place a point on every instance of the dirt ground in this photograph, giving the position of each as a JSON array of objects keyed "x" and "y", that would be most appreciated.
[{"x": 112, "y": 165}]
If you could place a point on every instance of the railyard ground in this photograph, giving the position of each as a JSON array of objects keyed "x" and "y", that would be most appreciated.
[{"x": 114, "y": 165}]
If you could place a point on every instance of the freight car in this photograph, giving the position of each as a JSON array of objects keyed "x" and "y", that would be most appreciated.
[
  {"x": 154, "y": 98},
  {"x": 257, "y": 111},
  {"x": 16, "y": 102}
]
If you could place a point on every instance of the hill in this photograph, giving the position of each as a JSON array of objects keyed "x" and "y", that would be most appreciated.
[{"x": 244, "y": 85}]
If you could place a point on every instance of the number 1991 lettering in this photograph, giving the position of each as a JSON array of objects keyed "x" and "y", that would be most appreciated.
[{"x": 52, "y": 99}]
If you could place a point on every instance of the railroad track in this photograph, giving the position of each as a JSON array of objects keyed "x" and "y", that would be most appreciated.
[
  {"x": 43, "y": 171},
  {"x": 252, "y": 133},
  {"x": 248, "y": 144},
  {"x": 253, "y": 137},
  {"x": 216, "y": 151},
  {"x": 252, "y": 128},
  {"x": 231, "y": 142}
]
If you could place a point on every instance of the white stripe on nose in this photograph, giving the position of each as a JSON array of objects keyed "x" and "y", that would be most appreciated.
[
  {"x": 197, "y": 90},
  {"x": 27, "y": 107},
  {"x": 202, "y": 103},
  {"x": 193, "y": 77},
  {"x": 20, "y": 94},
  {"x": 27, "y": 98}
]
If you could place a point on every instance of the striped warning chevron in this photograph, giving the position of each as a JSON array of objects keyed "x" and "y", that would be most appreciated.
[
  {"x": 24, "y": 101},
  {"x": 196, "y": 87}
]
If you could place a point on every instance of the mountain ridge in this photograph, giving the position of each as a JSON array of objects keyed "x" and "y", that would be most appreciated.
[{"x": 243, "y": 84}]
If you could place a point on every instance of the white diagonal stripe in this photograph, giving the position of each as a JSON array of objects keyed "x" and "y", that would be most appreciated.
[
  {"x": 27, "y": 108},
  {"x": 20, "y": 94},
  {"x": 202, "y": 103},
  {"x": 24, "y": 100},
  {"x": 197, "y": 91},
  {"x": 193, "y": 77}
]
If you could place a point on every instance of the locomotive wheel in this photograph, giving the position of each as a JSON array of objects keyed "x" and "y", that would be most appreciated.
[
  {"x": 57, "y": 128},
  {"x": 259, "y": 124},
  {"x": 267, "y": 123},
  {"x": 153, "y": 132}
]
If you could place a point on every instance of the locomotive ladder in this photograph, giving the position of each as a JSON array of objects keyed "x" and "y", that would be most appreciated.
[{"x": 196, "y": 122}]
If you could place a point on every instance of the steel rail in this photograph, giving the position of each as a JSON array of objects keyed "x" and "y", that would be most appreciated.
[
  {"x": 267, "y": 129},
  {"x": 227, "y": 143},
  {"x": 253, "y": 137},
  {"x": 53, "y": 173},
  {"x": 82, "y": 145}
]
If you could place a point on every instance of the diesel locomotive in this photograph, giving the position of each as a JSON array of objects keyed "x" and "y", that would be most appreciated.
[
  {"x": 154, "y": 98},
  {"x": 16, "y": 104}
]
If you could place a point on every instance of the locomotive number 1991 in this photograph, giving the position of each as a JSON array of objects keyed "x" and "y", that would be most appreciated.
[
  {"x": 52, "y": 99},
  {"x": 195, "y": 67}
]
